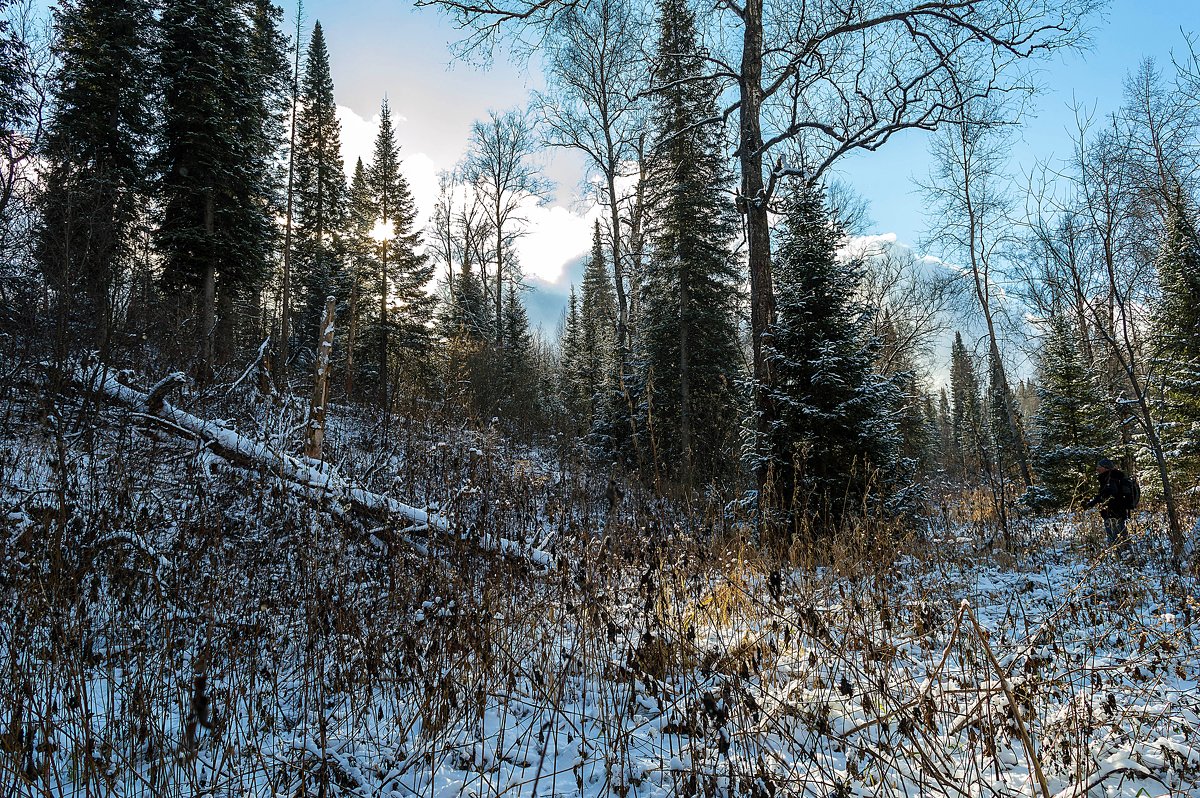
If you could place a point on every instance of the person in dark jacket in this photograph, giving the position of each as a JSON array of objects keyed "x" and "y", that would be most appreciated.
[{"x": 1114, "y": 504}]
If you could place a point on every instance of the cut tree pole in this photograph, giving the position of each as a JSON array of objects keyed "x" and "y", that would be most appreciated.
[{"x": 320, "y": 394}]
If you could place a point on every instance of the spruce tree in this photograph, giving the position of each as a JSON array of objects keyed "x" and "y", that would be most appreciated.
[
  {"x": 1073, "y": 426},
  {"x": 835, "y": 443},
  {"x": 518, "y": 376},
  {"x": 15, "y": 105},
  {"x": 574, "y": 381},
  {"x": 401, "y": 322},
  {"x": 597, "y": 328},
  {"x": 971, "y": 456},
  {"x": 320, "y": 187},
  {"x": 689, "y": 356},
  {"x": 215, "y": 189},
  {"x": 95, "y": 154},
  {"x": 1006, "y": 425},
  {"x": 353, "y": 284},
  {"x": 1177, "y": 338},
  {"x": 265, "y": 127},
  {"x": 948, "y": 459}
]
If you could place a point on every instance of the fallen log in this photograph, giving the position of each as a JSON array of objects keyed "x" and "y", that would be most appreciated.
[{"x": 321, "y": 481}]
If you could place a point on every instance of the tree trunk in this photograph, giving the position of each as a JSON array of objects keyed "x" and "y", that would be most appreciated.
[
  {"x": 753, "y": 205},
  {"x": 352, "y": 332},
  {"x": 320, "y": 393},
  {"x": 499, "y": 280},
  {"x": 208, "y": 317},
  {"x": 285, "y": 294},
  {"x": 383, "y": 331},
  {"x": 685, "y": 399}
]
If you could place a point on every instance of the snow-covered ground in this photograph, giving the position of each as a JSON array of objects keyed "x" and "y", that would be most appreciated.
[{"x": 177, "y": 625}]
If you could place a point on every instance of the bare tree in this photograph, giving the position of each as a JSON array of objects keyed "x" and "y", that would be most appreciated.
[
  {"x": 968, "y": 192},
  {"x": 911, "y": 299},
  {"x": 595, "y": 73},
  {"x": 500, "y": 172}
]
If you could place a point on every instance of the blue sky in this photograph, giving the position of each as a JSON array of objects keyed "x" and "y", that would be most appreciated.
[
  {"x": 388, "y": 47},
  {"x": 1131, "y": 31}
]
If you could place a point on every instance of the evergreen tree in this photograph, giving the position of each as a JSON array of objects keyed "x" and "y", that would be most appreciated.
[
  {"x": 1007, "y": 431},
  {"x": 353, "y": 285},
  {"x": 216, "y": 189},
  {"x": 574, "y": 381},
  {"x": 518, "y": 376},
  {"x": 404, "y": 308},
  {"x": 835, "y": 442},
  {"x": 95, "y": 154},
  {"x": 597, "y": 328},
  {"x": 688, "y": 324},
  {"x": 14, "y": 99},
  {"x": 969, "y": 438},
  {"x": 320, "y": 186},
  {"x": 1177, "y": 338},
  {"x": 914, "y": 417},
  {"x": 265, "y": 129},
  {"x": 949, "y": 460},
  {"x": 1073, "y": 426}
]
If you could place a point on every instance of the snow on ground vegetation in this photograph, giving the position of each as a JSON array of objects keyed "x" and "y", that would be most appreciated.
[{"x": 175, "y": 624}]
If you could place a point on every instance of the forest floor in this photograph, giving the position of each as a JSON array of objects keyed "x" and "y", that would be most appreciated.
[{"x": 175, "y": 623}]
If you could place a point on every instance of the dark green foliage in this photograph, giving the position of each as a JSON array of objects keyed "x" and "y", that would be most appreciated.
[
  {"x": 218, "y": 176},
  {"x": 836, "y": 442},
  {"x": 969, "y": 439},
  {"x": 518, "y": 376},
  {"x": 1008, "y": 439},
  {"x": 397, "y": 321},
  {"x": 320, "y": 188},
  {"x": 353, "y": 283},
  {"x": 95, "y": 155},
  {"x": 688, "y": 346},
  {"x": 1073, "y": 426},
  {"x": 593, "y": 352},
  {"x": 15, "y": 104},
  {"x": 572, "y": 380},
  {"x": 1177, "y": 339}
]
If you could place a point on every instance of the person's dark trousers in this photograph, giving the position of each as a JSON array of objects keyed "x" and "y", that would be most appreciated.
[{"x": 1114, "y": 529}]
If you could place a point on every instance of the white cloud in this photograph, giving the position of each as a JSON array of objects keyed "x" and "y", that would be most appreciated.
[{"x": 556, "y": 234}]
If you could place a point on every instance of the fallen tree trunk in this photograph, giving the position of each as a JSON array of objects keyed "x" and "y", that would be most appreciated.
[{"x": 317, "y": 480}]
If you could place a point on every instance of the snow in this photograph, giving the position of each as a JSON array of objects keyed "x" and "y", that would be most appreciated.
[{"x": 621, "y": 667}]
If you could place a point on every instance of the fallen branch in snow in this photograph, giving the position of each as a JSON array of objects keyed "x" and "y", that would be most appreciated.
[{"x": 320, "y": 481}]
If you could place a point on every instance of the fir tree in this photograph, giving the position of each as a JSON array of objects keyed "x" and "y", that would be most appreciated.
[
  {"x": 1073, "y": 425},
  {"x": 215, "y": 189},
  {"x": 688, "y": 324},
  {"x": 353, "y": 286},
  {"x": 320, "y": 186},
  {"x": 95, "y": 153},
  {"x": 1006, "y": 425},
  {"x": 403, "y": 307},
  {"x": 518, "y": 376},
  {"x": 1177, "y": 337},
  {"x": 597, "y": 328},
  {"x": 835, "y": 442},
  {"x": 969, "y": 439}
]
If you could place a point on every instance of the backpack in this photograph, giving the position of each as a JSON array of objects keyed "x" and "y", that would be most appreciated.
[{"x": 1131, "y": 492}]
